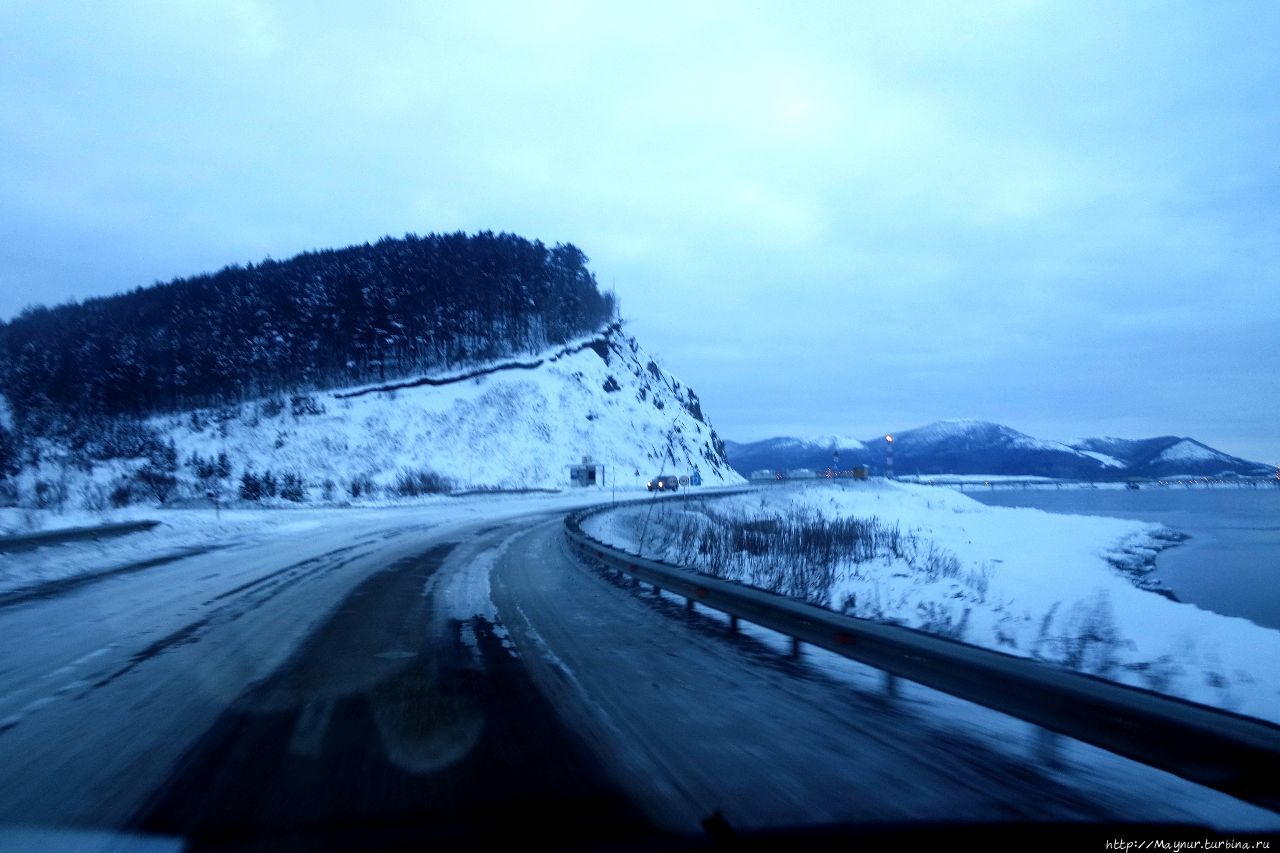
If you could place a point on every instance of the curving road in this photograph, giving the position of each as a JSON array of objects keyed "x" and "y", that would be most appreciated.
[{"x": 403, "y": 677}]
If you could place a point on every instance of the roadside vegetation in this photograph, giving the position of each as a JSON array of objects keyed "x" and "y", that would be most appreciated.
[
  {"x": 799, "y": 555},
  {"x": 876, "y": 569}
]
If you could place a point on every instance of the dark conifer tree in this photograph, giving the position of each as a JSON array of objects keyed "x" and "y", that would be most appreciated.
[{"x": 321, "y": 320}]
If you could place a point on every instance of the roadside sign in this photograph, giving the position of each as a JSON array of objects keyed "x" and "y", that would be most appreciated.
[{"x": 684, "y": 479}]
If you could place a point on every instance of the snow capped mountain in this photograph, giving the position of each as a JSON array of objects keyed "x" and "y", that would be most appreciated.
[
  {"x": 979, "y": 447},
  {"x": 784, "y": 454},
  {"x": 1171, "y": 456},
  {"x": 1188, "y": 450},
  {"x": 1127, "y": 451},
  {"x": 973, "y": 433},
  {"x": 953, "y": 428},
  {"x": 963, "y": 446},
  {"x": 843, "y": 442}
]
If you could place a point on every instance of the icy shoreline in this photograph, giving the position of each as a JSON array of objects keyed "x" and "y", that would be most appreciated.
[{"x": 1138, "y": 562}]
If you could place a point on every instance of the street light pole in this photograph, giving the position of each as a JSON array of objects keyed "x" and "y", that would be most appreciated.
[{"x": 888, "y": 465}]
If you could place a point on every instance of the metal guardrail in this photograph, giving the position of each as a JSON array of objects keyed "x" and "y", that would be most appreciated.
[
  {"x": 1229, "y": 752},
  {"x": 27, "y": 541}
]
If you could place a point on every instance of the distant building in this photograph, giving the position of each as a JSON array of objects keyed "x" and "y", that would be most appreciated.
[
  {"x": 802, "y": 474},
  {"x": 763, "y": 475},
  {"x": 587, "y": 473}
]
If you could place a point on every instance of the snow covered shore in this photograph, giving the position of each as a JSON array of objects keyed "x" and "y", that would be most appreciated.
[{"x": 1052, "y": 587}]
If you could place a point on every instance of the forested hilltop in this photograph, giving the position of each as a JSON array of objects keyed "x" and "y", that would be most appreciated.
[
  {"x": 320, "y": 320},
  {"x": 385, "y": 372}
]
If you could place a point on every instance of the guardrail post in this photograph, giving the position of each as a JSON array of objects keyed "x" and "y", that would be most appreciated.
[
  {"x": 891, "y": 686},
  {"x": 688, "y": 604},
  {"x": 795, "y": 648},
  {"x": 733, "y": 624}
]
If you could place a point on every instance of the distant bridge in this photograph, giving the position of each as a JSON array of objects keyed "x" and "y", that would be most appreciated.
[
  {"x": 1044, "y": 483},
  {"x": 1002, "y": 481}
]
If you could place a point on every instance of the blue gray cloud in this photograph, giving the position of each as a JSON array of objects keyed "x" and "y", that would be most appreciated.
[{"x": 830, "y": 218}]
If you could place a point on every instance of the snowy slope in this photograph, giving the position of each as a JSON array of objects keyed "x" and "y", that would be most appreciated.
[
  {"x": 518, "y": 426},
  {"x": 971, "y": 431},
  {"x": 1171, "y": 456},
  {"x": 841, "y": 442},
  {"x": 1186, "y": 457},
  {"x": 1187, "y": 450},
  {"x": 1109, "y": 461}
]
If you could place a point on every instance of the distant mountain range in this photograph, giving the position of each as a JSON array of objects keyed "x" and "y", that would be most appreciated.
[{"x": 979, "y": 447}]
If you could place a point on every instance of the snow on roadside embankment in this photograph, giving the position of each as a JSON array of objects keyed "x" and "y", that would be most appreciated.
[
  {"x": 1022, "y": 581},
  {"x": 181, "y": 533},
  {"x": 512, "y": 426},
  {"x": 188, "y": 532}
]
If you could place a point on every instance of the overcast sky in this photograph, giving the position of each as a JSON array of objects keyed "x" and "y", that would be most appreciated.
[{"x": 843, "y": 217}]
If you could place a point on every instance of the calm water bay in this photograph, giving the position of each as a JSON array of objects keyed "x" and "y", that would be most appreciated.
[{"x": 1230, "y": 565}]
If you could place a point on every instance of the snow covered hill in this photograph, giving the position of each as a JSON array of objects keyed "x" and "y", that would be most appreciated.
[
  {"x": 509, "y": 425},
  {"x": 980, "y": 447},
  {"x": 1170, "y": 456},
  {"x": 517, "y": 425}
]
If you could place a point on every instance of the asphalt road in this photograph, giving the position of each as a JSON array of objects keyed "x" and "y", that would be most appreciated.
[
  {"x": 696, "y": 721},
  {"x": 387, "y": 683}
]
